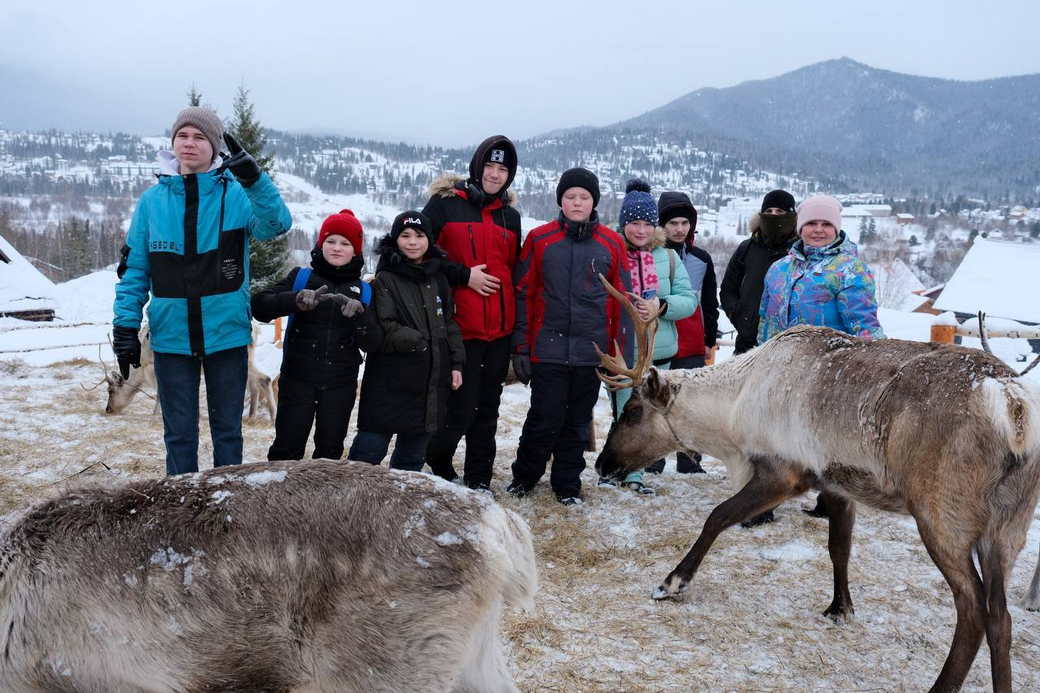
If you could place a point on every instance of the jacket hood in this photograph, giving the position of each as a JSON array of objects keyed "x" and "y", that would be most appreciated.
[
  {"x": 841, "y": 244},
  {"x": 169, "y": 166},
  {"x": 476, "y": 164},
  {"x": 454, "y": 185}
]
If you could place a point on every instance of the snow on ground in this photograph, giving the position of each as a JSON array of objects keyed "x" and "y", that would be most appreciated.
[{"x": 751, "y": 620}]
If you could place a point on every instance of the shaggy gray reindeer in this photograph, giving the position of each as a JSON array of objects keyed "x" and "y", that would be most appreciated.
[
  {"x": 298, "y": 576},
  {"x": 121, "y": 391},
  {"x": 944, "y": 433}
]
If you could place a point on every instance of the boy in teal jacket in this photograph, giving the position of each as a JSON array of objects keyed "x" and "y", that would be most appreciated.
[{"x": 187, "y": 251}]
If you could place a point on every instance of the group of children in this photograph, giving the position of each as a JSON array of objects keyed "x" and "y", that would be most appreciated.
[{"x": 455, "y": 298}]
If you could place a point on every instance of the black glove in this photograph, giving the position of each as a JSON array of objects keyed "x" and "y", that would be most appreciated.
[
  {"x": 522, "y": 367},
  {"x": 241, "y": 163},
  {"x": 308, "y": 299},
  {"x": 127, "y": 348}
]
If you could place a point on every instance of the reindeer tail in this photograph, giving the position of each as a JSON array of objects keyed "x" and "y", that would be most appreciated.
[{"x": 1014, "y": 408}]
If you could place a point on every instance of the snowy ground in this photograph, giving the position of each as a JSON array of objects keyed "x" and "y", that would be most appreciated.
[
  {"x": 750, "y": 622},
  {"x": 752, "y": 618}
]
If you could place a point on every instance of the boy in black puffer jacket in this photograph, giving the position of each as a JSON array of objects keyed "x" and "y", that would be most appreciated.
[
  {"x": 409, "y": 377},
  {"x": 320, "y": 352}
]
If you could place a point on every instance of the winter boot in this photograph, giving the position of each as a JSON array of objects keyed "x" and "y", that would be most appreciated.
[
  {"x": 764, "y": 518},
  {"x": 687, "y": 464}
]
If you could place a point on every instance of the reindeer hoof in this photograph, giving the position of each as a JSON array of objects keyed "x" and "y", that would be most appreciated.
[
  {"x": 672, "y": 588},
  {"x": 839, "y": 613}
]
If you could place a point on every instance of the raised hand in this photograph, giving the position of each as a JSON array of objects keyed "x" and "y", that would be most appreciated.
[
  {"x": 308, "y": 299},
  {"x": 348, "y": 306},
  {"x": 241, "y": 163}
]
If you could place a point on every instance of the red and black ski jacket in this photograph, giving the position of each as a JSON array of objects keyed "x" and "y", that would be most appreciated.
[
  {"x": 474, "y": 229},
  {"x": 562, "y": 308}
]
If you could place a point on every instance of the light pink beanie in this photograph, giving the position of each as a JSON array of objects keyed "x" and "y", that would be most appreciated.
[{"x": 822, "y": 207}]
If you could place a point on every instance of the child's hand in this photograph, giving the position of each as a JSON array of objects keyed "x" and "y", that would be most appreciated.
[
  {"x": 484, "y": 283},
  {"x": 456, "y": 380},
  {"x": 308, "y": 299},
  {"x": 347, "y": 305}
]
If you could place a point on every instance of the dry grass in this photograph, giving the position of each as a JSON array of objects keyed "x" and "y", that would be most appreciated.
[{"x": 751, "y": 620}]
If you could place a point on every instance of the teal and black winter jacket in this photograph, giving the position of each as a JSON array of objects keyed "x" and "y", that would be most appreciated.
[{"x": 188, "y": 246}]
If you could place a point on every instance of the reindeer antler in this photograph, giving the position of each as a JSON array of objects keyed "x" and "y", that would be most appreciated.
[
  {"x": 104, "y": 369},
  {"x": 982, "y": 333},
  {"x": 621, "y": 376}
]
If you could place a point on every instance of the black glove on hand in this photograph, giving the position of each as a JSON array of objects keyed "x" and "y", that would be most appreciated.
[
  {"x": 127, "y": 348},
  {"x": 347, "y": 305},
  {"x": 241, "y": 163},
  {"x": 522, "y": 367},
  {"x": 308, "y": 299}
]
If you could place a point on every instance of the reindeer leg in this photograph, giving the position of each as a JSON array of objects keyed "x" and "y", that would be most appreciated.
[
  {"x": 772, "y": 482},
  {"x": 953, "y": 558},
  {"x": 842, "y": 514},
  {"x": 994, "y": 566},
  {"x": 1032, "y": 600}
]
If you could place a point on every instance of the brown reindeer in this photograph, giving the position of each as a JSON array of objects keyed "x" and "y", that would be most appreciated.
[
  {"x": 947, "y": 434},
  {"x": 301, "y": 576}
]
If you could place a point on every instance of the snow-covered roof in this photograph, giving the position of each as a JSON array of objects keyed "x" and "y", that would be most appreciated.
[
  {"x": 22, "y": 286},
  {"x": 897, "y": 285},
  {"x": 998, "y": 277}
]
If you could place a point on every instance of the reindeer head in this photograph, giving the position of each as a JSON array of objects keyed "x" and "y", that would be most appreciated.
[
  {"x": 642, "y": 434},
  {"x": 120, "y": 392}
]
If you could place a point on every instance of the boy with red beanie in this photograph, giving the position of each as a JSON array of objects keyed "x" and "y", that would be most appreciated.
[{"x": 328, "y": 325}]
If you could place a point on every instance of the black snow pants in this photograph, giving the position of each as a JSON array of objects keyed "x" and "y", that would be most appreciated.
[{"x": 300, "y": 404}]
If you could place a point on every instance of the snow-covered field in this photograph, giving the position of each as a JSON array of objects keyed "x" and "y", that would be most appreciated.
[{"x": 751, "y": 620}]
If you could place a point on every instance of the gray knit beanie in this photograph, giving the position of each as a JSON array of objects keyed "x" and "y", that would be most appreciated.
[{"x": 205, "y": 120}]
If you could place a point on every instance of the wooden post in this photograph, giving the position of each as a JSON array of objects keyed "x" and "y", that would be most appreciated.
[
  {"x": 944, "y": 334},
  {"x": 278, "y": 332}
]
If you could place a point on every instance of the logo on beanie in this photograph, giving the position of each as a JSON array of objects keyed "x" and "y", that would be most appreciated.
[
  {"x": 498, "y": 156},
  {"x": 412, "y": 221}
]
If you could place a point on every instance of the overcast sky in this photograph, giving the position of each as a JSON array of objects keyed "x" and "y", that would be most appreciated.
[{"x": 452, "y": 72}]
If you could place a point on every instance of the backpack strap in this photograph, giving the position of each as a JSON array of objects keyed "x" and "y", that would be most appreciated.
[
  {"x": 671, "y": 266},
  {"x": 298, "y": 284},
  {"x": 366, "y": 293}
]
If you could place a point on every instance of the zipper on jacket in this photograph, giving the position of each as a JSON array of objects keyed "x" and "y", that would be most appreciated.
[{"x": 476, "y": 260}]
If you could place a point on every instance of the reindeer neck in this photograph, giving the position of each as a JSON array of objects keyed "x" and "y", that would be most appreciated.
[{"x": 704, "y": 403}]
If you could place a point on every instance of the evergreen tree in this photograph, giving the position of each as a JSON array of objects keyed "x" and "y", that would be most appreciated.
[
  {"x": 194, "y": 96},
  {"x": 268, "y": 260}
]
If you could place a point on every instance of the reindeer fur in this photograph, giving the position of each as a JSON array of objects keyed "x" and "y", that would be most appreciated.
[
  {"x": 944, "y": 433},
  {"x": 314, "y": 576}
]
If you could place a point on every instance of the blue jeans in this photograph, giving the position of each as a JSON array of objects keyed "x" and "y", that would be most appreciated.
[
  {"x": 177, "y": 377},
  {"x": 409, "y": 452}
]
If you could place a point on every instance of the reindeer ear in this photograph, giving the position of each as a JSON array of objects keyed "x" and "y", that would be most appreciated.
[{"x": 656, "y": 389}]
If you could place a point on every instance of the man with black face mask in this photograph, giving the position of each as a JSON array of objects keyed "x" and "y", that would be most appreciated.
[{"x": 772, "y": 233}]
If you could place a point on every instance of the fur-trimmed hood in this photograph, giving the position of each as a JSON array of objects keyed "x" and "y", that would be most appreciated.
[
  {"x": 656, "y": 242},
  {"x": 450, "y": 184}
]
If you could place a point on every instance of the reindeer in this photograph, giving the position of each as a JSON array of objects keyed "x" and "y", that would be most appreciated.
[
  {"x": 259, "y": 387},
  {"x": 259, "y": 390},
  {"x": 946, "y": 434},
  {"x": 316, "y": 576},
  {"x": 121, "y": 391}
]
